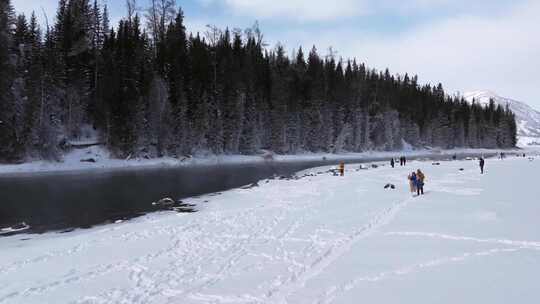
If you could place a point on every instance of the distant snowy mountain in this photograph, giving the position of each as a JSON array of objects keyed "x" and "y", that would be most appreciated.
[{"x": 527, "y": 118}]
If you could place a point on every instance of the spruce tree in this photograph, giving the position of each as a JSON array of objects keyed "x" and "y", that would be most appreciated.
[{"x": 8, "y": 140}]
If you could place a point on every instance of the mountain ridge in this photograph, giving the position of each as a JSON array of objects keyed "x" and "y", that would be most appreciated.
[{"x": 527, "y": 118}]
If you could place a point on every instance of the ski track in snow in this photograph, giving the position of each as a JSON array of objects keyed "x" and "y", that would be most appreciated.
[
  {"x": 283, "y": 228},
  {"x": 330, "y": 295},
  {"x": 299, "y": 279},
  {"x": 522, "y": 244}
]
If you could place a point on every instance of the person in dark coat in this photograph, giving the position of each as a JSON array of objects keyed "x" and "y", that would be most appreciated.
[
  {"x": 420, "y": 177},
  {"x": 482, "y": 163},
  {"x": 392, "y": 162}
]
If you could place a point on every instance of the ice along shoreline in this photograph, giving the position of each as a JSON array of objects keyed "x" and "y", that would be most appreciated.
[{"x": 72, "y": 162}]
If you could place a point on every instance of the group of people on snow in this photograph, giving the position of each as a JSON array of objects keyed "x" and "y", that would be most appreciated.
[
  {"x": 416, "y": 179},
  {"x": 403, "y": 161},
  {"x": 416, "y": 182}
]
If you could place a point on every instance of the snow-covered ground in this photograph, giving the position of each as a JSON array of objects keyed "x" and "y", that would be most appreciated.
[
  {"x": 103, "y": 160},
  {"x": 319, "y": 239}
]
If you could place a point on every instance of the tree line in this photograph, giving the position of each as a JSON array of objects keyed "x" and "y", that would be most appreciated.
[{"x": 152, "y": 90}]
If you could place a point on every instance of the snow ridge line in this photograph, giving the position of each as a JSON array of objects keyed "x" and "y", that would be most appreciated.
[
  {"x": 521, "y": 244},
  {"x": 299, "y": 279},
  {"x": 330, "y": 295}
]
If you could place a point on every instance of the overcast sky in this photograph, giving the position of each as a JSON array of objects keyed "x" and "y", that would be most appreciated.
[{"x": 465, "y": 44}]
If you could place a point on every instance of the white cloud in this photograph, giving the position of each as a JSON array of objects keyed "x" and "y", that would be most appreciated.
[
  {"x": 499, "y": 52},
  {"x": 301, "y": 10},
  {"x": 324, "y": 10}
]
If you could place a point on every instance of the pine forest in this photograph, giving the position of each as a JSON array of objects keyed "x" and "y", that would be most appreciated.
[{"x": 147, "y": 87}]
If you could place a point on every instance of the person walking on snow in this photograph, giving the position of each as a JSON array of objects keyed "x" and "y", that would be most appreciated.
[
  {"x": 392, "y": 162},
  {"x": 412, "y": 182},
  {"x": 420, "y": 177},
  {"x": 342, "y": 168},
  {"x": 482, "y": 163}
]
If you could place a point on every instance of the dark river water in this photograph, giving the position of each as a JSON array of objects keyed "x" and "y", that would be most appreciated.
[{"x": 63, "y": 201}]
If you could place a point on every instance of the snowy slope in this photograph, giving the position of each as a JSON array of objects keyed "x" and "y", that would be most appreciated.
[
  {"x": 319, "y": 239},
  {"x": 527, "y": 118}
]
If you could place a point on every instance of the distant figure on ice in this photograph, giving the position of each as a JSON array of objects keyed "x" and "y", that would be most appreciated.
[
  {"x": 404, "y": 160},
  {"x": 454, "y": 157},
  {"x": 482, "y": 163},
  {"x": 392, "y": 162},
  {"x": 420, "y": 177},
  {"x": 401, "y": 161},
  {"x": 342, "y": 168},
  {"x": 412, "y": 182}
]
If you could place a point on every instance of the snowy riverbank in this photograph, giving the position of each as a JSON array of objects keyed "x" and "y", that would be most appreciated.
[
  {"x": 320, "y": 239},
  {"x": 77, "y": 160}
]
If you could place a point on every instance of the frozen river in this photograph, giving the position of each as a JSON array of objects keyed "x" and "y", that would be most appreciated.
[{"x": 318, "y": 239}]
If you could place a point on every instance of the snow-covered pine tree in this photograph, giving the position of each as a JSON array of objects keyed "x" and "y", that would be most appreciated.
[
  {"x": 458, "y": 132},
  {"x": 8, "y": 140},
  {"x": 472, "y": 128},
  {"x": 248, "y": 142},
  {"x": 159, "y": 115},
  {"x": 73, "y": 33},
  {"x": 410, "y": 132},
  {"x": 176, "y": 73},
  {"x": 314, "y": 102},
  {"x": 442, "y": 131}
]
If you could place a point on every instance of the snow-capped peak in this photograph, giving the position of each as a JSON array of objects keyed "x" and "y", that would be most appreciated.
[
  {"x": 481, "y": 97},
  {"x": 527, "y": 118}
]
